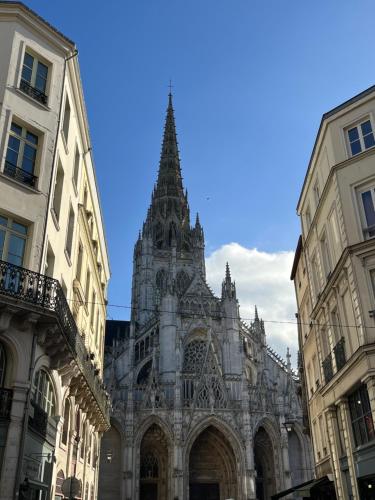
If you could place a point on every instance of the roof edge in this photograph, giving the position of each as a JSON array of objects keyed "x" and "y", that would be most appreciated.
[
  {"x": 297, "y": 256},
  {"x": 38, "y": 18}
]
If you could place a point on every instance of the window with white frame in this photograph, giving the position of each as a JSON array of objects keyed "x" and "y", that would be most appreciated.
[
  {"x": 43, "y": 394},
  {"x": 13, "y": 236},
  {"x": 34, "y": 78},
  {"x": 367, "y": 210},
  {"x": 361, "y": 137},
  {"x": 21, "y": 155},
  {"x": 57, "y": 195},
  {"x": 315, "y": 274}
]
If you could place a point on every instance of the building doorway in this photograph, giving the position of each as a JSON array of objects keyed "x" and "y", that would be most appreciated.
[
  {"x": 212, "y": 467},
  {"x": 264, "y": 465},
  {"x": 154, "y": 465}
]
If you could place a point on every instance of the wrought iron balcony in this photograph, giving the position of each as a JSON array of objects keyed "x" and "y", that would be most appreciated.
[
  {"x": 6, "y": 397},
  {"x": 327, "y": 368},
  {"x": 36, "y": 94},
  {"x": 19, "y": 175},
  {"x": 46, "y": 293},
  {"x": 339, "y": 351}
]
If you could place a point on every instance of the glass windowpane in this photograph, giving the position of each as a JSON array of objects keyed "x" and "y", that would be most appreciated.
[
  {"x": 3, "y": 221},
  {"x": 16, "y": 129},
  {"x": 353, "y": 134},
  {"x": 19, "y": 227},
  {"x": 16, "y": 250},
  {"x": 28, "y": 60},
  {"x": 31, "y": 137},
  {"x": 368, "y": 206},
  {"x": 369, "y": 140},
  {"x": 366, "y": 127},
  {"x": 355, "y": 147},
  {"x": 26, "y": 74},
  {"x": 2, "y": 239}
]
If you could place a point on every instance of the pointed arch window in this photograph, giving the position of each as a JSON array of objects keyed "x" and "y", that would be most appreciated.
[{"x": 158, "y": 235}]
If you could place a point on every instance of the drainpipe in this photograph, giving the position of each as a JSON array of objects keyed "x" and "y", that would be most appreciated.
[{"x": 75, "y": 53}]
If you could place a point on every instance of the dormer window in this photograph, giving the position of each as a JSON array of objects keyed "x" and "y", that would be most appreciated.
[
  {"x": 361, "y": 137},
  {"x": 34, "y": 78}
]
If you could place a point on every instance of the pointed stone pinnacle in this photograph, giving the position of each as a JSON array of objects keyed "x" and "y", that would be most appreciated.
[
  {"x": 256, "y": 314},
  {"x": 227, "y": 272}
]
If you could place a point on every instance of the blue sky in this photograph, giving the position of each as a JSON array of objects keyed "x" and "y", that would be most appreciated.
[{"x": 251, "y": 79}]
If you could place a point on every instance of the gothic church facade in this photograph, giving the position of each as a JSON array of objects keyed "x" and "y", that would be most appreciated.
[{"x": 202, "y": 408}]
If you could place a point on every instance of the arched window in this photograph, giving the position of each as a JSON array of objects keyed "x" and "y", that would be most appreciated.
[
  {"x": 182, "y": 282},
  {"x": 194, "y": 356},
  {"x": 59, "y": 481},
  {"x": 144, "y": 373},
  {"x": 65, "y": 431},
  {"x": 88, "y": 444},
  {"x": 44, "y": 395},
  {"x": 3, "y": 365},
  {"x": 94, "y": 453},
  {"x": 161, "y": 280}
]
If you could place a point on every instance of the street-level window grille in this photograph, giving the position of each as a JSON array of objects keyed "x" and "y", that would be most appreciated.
[
  {"x": 21, "y": 155},
  {"x": 34, "y": 78},
  {"x": 361, "y": 416},
  {"x": 44, "y": 395}
]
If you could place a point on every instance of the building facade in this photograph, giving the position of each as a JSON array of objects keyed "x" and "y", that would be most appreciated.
[
  {"x": 53, "y": 268},
  {"x": 334, "y": 276},
  {"x": 202, "y": 408}
]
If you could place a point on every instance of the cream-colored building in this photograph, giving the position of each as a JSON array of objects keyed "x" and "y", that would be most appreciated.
[
  {"x": 53, "y": 268},
  {"x": 334, "y": 276}
]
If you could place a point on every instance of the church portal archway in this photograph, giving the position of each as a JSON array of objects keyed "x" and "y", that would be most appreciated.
[
  {"x": 264, "y": 465},
  {"x": 154, "y": 465},
  {"x": 110, "y": 465},
  {"x": 212, "y": 467}
]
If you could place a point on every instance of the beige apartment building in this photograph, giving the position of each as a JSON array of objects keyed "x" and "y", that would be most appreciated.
[
  {"x": 54, "y": 269},
  {"x": 334, "y": 276}
]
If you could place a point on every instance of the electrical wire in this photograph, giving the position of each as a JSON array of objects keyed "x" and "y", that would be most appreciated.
[{"x": 273, "y": 321}]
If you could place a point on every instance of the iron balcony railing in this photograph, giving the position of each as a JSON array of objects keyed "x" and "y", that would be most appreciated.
[
  {"x": 19, "y": 174},
  {"x": 327, "y": 368},
  {"x": 6, "y": 397},
  {"x": 339, "y": 351},
  {"x": 43, "y": 291},
  {"x": 36, "y": 94}
]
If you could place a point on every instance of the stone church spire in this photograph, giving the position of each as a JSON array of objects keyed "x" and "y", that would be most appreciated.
[{"x": 168, "y": 219}]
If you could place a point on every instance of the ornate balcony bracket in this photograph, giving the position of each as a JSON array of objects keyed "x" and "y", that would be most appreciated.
[{"x": 56, "y": 329}]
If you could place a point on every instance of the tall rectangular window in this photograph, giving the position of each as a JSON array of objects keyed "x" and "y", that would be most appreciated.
[
  {"x": 66, "y": 121},
  {"x": 326, "y": 255},
  {"x": 315, "y": 275},
  {"x": 13, "y": 237},
  {"x": 79, "y": 262},
  {"x": 34, "y": 78},
  {"x": 316, "y": 193},
  {"x": 87, "y": 286},
  {"x": 367, "y": 202},
  {"x": 21, "y": 154},
  {"x": 361, "y": 137},
  {"x": 57, "y": 195},
  {"x": 372, "y": 278},
  {"x": 93, "y": 303},
  {"x": 69, "y": 233},
  {"x": 76, "y": 167},
  {"x": 361, "y": 416}
]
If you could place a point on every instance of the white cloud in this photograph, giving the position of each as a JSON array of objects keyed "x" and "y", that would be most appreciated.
[{"x": 263, "y": 279}]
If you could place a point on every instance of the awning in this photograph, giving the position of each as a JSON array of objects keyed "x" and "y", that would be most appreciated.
[{"x": 303, "y": 489}]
